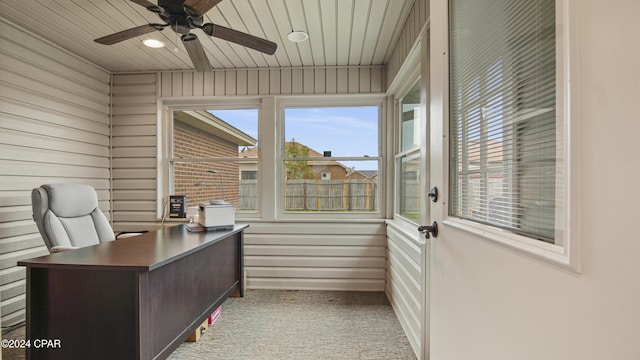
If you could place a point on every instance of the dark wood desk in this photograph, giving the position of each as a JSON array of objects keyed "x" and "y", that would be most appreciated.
[{"x": 133, "y": 298}]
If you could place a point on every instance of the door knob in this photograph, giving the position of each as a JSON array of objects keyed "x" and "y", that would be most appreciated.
[
  {"x": 433, "y": 194},
  {"x": 428, "y": 230}
]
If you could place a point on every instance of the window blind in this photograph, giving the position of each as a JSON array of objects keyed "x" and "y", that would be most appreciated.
[{"x": 503, "y": 114}]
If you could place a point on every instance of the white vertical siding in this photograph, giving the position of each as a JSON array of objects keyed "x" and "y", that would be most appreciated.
[
  {"x": 284, "y": 81},
  {"x": 418, "y": 17},
  {"x": 404, "y": 282},
  {"x": 54, "y": 127}
]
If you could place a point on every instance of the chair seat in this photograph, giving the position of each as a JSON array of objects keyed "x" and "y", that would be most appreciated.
[{"x": 68, "y": 216}]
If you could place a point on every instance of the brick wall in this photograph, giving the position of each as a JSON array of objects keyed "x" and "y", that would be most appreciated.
[
  {"x": 191, "y": 142},
  {"x": 337, "y": 171}
]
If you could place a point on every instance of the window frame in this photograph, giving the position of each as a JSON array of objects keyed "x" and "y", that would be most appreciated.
[
  {"x": 165, "y": 168},
  {"x": 399, "y": 154},
  {"x": 566, "y": 254},
  {"x": 270, "y": 138},
  {"x": 283, "y": 103}
]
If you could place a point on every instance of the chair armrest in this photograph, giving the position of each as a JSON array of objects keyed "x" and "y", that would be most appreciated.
[
  {"x": 125, "y": 234},
  {"x": 57, "y": 249}
]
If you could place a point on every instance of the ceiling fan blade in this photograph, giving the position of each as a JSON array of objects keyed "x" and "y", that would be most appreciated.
[
  {"x": 153, "y": 8},
  {"x": 129, "y": 34},
  {"x": 200, "y": 7},
  {"x": 240, "y": 38},
  {"x": 196, "y": 53},
  {"x": 144, "y": 3}
]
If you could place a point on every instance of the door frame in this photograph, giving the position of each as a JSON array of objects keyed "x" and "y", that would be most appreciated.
[{"x": 427, "y": 182}]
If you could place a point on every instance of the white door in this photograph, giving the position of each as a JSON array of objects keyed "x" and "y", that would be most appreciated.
[{"x": 497, "y": 287}]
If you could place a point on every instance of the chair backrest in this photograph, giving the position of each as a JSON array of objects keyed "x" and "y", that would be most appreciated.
[{"x": 68, "y": 216}]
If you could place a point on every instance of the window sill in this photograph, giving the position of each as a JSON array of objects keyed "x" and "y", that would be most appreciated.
[
  {"x": 554, "y": 254},
  {"x": 282, "y": 219}
]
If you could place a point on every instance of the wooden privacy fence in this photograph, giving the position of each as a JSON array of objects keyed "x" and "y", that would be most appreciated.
[{"x": 318, "y": 195}]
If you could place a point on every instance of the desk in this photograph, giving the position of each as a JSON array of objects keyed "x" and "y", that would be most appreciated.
[{"x": 133, "y": 298}]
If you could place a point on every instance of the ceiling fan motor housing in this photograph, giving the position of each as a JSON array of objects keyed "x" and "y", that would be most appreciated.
[{"x": 174, "y": 13}]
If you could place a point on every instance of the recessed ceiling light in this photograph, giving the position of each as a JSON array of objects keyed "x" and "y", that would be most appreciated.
[
  {"x": 153, "y": 43},
  {"x": 297, "y": 36}
]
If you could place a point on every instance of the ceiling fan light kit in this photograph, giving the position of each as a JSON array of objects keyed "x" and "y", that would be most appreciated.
[
  {"x": 183, "y": 16},
  {"x": 297, "y": 36},
  {"x": 153, "y": 43}
]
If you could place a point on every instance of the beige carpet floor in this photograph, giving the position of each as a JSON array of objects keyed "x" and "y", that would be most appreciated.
[
  {"x": 283, "y": 325},
  {"x": 294, "y": 325}
]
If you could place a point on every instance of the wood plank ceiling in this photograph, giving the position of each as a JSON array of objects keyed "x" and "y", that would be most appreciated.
[{"x": 341, "y": 32}]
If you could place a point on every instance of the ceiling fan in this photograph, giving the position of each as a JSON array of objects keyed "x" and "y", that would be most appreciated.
[{"x": 183, "y": 16}]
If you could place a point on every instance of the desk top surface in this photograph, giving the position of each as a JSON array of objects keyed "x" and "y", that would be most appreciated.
[{"x": 143, "y": 252}]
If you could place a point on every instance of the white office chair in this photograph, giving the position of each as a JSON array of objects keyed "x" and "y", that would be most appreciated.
[{"x": 68, "y": 217}]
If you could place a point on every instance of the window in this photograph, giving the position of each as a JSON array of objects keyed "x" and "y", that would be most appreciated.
[
  {"x": 248, "y": 175},
  {"x": 214, "y": 157},
  {"x": 331, "y": 159},
  {"x": 408, "y": 157},
  {"x": 506, "y": 144}
]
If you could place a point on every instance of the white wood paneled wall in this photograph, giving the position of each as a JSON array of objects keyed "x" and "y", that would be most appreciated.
[
  {"x": 404, "y": 282},
  {"x": 54, "y": 127},
  {"x": 418, "y": 18},
  {"x": 316, "y": 256},
  {"x": 283, "y": 81},
  {"x": 134, "y": 151}
]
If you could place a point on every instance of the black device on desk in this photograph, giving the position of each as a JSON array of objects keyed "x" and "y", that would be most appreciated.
[{"x": 178, "y": 206}]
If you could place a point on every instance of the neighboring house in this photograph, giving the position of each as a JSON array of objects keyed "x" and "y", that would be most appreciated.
[
  {"x": 322, "y": 169},
  {"x": 249, "y": 166},
  {"x": 363, "y": 174}
]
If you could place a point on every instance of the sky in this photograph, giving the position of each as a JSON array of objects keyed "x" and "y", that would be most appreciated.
[{"x": 345, "y": 131}]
